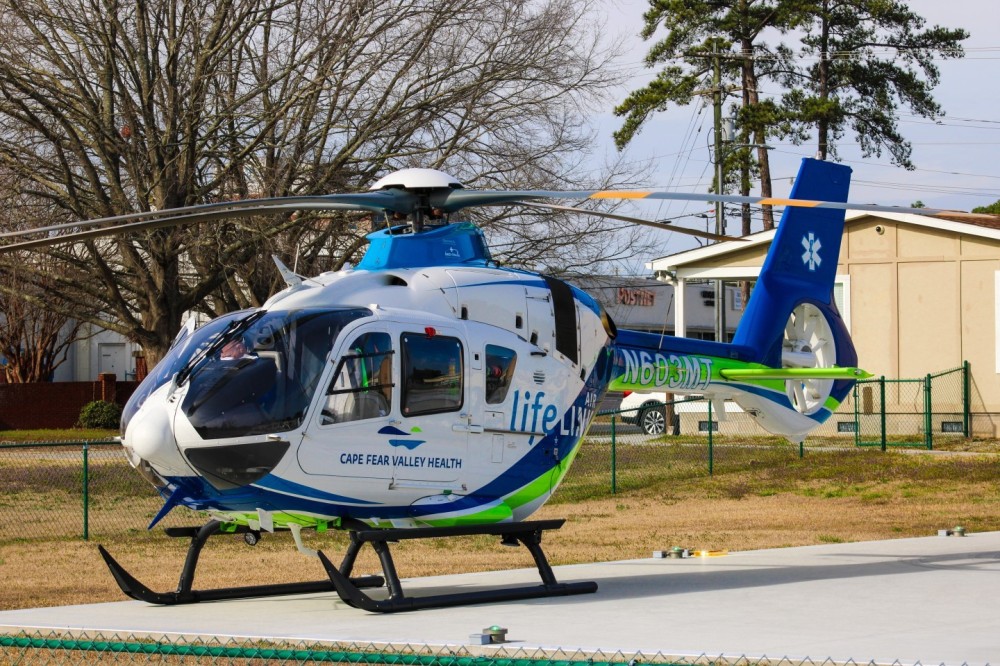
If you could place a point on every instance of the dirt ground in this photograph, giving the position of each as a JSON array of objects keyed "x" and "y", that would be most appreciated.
[{"x": 780, "y": 507}]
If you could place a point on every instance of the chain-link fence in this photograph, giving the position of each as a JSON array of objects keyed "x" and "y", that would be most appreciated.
[
  {"x": 88, "y": 489},
  {"x": 84, "y": 648},
  {"x": 912, "y": 412},
  {"x": 619, "y": 456},
  {"x": 74, "y": 490}
]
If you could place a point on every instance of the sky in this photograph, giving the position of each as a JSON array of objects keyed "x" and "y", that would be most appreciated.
[{"x": 956, "y": 158}]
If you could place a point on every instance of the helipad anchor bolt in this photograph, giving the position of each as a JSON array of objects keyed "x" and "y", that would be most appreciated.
[{"x": 959, "y": 530}]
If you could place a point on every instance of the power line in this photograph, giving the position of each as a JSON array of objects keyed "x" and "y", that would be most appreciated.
[
  {"x": 944, "y": 124},
  {"x": 964, "y": 120},
  {"x": 892, "y": 166}
]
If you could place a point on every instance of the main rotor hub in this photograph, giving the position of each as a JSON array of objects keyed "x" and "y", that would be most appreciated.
[{"x": 417, "y": 179}]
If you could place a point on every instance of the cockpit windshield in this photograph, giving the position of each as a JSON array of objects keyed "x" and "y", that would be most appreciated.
[
  {"x": 260, "y": 377},
  {"x": 292, "y": 346},
  {"x": 185, "y": 346}
]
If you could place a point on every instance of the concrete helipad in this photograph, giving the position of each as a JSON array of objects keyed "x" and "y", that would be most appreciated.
[{"x": 933, "y": 600}]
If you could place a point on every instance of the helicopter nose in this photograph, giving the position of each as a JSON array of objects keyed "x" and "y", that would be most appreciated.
[{"x": 149, "y": 436}]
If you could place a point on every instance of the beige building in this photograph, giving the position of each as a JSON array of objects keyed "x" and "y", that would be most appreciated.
[{"x": 919, "y": 295}]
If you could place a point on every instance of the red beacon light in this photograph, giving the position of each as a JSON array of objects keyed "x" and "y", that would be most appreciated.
[{"x": 430, "y": 331}]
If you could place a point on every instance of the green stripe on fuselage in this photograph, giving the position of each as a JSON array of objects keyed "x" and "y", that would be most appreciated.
[{"x": 681, "y": 373}]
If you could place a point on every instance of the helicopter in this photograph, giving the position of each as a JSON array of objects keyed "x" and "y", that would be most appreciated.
[{"x": 430, "y": 392}]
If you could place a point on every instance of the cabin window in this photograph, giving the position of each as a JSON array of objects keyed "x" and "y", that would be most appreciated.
[
  {"x": 432, "y": 374},
  {"x": 362, "y": 384},
  {"x": 500, "y": 363}
]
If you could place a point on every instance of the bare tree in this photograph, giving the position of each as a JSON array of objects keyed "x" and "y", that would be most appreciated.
[
  {"x": 34, "y": 338},
  {"x": 111, "y": 107},
  {"x": 35, "y": 333}
]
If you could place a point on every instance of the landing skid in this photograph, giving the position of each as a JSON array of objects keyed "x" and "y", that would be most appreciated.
[
  {"x": 186, "y": 595},
  {"x": 528, "y": 534}
]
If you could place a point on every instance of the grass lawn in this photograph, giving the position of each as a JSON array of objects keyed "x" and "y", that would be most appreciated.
[
  {"x": 761, "y": 496},
  {"x": 56, "y": 435}
]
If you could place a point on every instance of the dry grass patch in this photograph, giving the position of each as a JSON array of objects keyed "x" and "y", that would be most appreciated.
[{"x": 758, "y": 498}]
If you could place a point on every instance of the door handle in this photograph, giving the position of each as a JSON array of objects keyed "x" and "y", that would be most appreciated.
[{"x": 461, "y": 427}]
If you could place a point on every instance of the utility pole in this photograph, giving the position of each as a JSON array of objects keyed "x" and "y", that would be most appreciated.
[{"x": 720, "y": 223}]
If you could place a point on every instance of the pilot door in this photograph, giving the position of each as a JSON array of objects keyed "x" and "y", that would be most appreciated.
[{"x": 358, "y": 401}]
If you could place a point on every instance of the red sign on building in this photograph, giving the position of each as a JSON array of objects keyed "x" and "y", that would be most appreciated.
[{"x": 640, "y": 297}]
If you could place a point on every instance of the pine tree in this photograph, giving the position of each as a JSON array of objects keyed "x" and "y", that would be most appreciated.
[
  {"x": 863, "y": 60},
  {"x": 699, "y": 32}
]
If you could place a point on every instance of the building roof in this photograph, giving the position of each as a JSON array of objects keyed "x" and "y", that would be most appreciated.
[{"x": 970, "y": 224}]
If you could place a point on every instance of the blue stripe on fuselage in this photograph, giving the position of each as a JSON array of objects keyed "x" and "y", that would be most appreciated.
[{"x": 276, "y": 494}]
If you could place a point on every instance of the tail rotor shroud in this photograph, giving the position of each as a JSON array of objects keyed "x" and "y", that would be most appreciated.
[{"x": 808, "y": 343}]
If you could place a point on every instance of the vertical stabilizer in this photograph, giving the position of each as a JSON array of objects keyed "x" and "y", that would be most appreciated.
[{"x": 802, "y": 263}]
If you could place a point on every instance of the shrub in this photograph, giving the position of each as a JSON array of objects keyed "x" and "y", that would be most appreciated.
[{"x": 100, "y": 414}]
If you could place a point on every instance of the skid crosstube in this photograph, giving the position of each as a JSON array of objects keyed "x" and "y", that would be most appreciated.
[{"x": 528, "y": 534}]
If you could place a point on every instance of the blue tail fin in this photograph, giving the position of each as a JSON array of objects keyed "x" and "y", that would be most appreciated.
[{"x": 800, "y": 267}]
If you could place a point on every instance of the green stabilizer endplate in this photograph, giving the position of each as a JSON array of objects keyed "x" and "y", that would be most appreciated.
[{"x": 795, "y": 373}]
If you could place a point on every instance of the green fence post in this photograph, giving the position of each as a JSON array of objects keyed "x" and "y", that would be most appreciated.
[
  {"x": 857, "y": 416},
  {"x": 966, "y": 406},
  {"x": 881, "y": 393},
  {"x": 710, "y": 429},
  {"x": 86, "y": 491},
  {"x": 614, "y": 458},
  {"x": 928, "y": 418},
  {"x": 802, "y": 449}
]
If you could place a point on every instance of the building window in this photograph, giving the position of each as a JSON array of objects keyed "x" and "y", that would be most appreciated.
[
  {"x": 996, "y": 316},
  {"x": 500, "y": 363},
  {"x": 736, "y": 300},
  {"x": 708, "y": 426},
  {"x": 432, "y": 374},
  {"x": 842, "y": 298}
]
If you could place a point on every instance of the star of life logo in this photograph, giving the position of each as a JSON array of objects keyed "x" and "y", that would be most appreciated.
[{"x": 811, "y": 256}]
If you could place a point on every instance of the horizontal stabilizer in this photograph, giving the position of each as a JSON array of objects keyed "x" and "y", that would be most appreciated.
[{"x": 795, "y": 373}]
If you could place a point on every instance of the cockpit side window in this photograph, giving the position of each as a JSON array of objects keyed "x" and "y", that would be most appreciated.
[
  {"x": 362, "y": 383},
  {"x": 500, "y": 363},
  {"x": 431, "y": 375}
]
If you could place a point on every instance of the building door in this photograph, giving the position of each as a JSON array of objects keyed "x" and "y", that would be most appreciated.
[{"x": 111, "y": 357}]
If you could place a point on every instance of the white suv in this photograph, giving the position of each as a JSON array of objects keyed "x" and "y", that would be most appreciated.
[{"x": 645, "y": 410}]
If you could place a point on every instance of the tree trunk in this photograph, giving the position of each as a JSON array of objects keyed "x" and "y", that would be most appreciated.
[{"x": 823, "y": 123}]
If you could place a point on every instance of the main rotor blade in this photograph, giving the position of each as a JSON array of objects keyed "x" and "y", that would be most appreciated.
[
  {"x": 386, "y": 200},
  {"x": 176, "y": 220},
  {"x": 458, "y": 199},
  {"x": 635, "y": 220}
]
